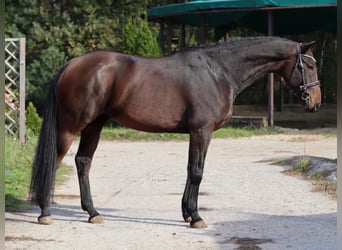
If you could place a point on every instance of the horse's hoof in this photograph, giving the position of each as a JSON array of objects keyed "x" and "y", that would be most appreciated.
[
  {"x": 45, "y": 220},
  {"x": 199, "y": 224},
  {"x": 188, "y": 219},
  {"x": 96, "y": 219}
]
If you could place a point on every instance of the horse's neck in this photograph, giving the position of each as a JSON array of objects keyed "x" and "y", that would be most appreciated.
[
  {"x": 246, "y": 64},
  {"x": 252, "y": 69}
]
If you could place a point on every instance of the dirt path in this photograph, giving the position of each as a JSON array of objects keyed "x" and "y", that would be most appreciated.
[{"x": 137, "y": 187}]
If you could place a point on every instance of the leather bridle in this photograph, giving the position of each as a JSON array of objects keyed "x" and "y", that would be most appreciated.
[{"x": 304, "y": 86}]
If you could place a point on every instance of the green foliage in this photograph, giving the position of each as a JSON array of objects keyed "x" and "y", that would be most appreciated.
[
  {"x": 41, "y": 72},
  {"x": 18, "y": 160},
  {"x": 139, "y": 39},
  {"x": 57, "y": 31},
  {"x": 33, "y": 121}
]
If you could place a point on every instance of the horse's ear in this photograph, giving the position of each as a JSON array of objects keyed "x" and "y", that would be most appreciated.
[{"x": 306, "y": 46}]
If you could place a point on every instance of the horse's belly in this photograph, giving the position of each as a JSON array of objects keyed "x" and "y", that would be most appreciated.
[{"x": 152, "y": 120}]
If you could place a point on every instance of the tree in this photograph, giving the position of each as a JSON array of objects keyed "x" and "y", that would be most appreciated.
[
  {"x": 42, "y": 70},
  {"x": 59, "y": 30},
  {"x": 139, "y": 40}
]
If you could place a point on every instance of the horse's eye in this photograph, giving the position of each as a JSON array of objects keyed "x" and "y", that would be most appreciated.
[{"x": 310, "y": 66}]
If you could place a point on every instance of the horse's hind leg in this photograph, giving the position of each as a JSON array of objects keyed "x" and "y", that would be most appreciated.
[
  {"x": 64, "y": 141},
  {"x": 89, "y": 139}
]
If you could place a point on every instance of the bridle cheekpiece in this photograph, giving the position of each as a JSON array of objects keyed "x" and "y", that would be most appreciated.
[{"x": 304, "y": 86}]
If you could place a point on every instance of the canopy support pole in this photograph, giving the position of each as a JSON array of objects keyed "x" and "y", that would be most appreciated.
[
  {"x": 202, "y": 29},
  {"x": 183, "y": 43},
  {"x": 169, "y": 37},
  {"x": 161, "y": 38},
  {"x": 270, "y": 77}
]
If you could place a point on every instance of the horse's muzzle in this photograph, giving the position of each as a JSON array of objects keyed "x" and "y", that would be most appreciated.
[{"x": 314, "y": 109}]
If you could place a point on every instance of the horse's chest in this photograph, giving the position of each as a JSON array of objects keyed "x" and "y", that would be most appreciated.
[{"x": 224, "y": 118}]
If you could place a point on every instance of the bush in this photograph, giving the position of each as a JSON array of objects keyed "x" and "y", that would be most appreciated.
[
  {"x": 33, "y": 121},
  {"x": 138, "y": 39}
]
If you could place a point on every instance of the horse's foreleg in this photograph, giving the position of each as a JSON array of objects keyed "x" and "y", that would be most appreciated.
[
  {"x": 199, "y": 142},
  {"x": 83, "y": 164},
  {"x": 89, "y": 139}
]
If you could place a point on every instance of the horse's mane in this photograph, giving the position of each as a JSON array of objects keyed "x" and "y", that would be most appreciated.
[{"x": 235, "y": 42}]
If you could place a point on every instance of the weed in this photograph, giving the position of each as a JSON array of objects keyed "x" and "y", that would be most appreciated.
[{"x": 303, "y": 164}]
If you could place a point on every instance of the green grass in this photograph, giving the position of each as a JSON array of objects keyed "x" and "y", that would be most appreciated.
[
  {"x": 121, "y": 133},
  {"x": 230, "y": 132},
  {"x": 18, "y": 162}
]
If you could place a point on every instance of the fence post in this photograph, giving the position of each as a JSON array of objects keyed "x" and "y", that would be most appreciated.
[{"x": 22, "y": 74}]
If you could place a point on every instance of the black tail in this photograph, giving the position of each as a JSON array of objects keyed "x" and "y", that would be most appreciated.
[{"x": 44, "y": 165}]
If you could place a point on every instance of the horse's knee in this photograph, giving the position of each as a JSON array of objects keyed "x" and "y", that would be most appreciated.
[{"x": 196, "y": 176}]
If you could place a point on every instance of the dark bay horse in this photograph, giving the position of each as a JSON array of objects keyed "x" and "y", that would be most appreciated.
[{"x": 189, "y": 92}]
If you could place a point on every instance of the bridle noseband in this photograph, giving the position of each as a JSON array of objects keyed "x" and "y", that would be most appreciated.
[{"x": 304, "y": 86}]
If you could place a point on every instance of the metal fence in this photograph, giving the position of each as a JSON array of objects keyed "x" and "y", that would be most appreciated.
[{"x": 15, "y": 87}]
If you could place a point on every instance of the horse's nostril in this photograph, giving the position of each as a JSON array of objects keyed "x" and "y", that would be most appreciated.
[{"x": 305, "y": 96}]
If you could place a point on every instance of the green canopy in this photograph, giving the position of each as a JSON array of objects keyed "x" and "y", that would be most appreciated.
[{"x": 289, "y": 16}]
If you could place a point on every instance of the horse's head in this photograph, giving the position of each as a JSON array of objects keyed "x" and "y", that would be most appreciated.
[{"x": 301, "y": 76}]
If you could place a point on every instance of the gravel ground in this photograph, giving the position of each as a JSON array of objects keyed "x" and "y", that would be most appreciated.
[{"x": 247, "y": 202}]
